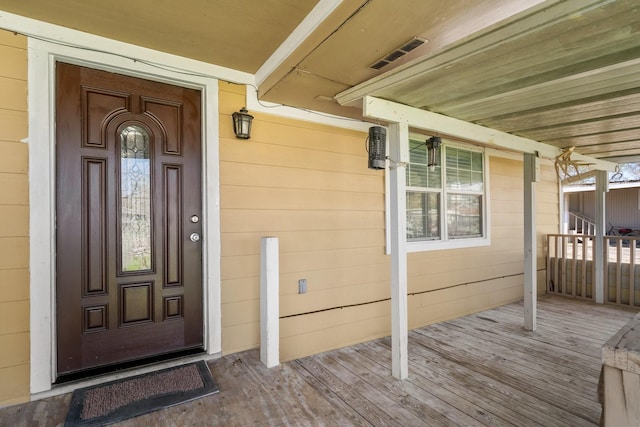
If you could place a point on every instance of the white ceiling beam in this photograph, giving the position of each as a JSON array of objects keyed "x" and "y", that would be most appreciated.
[
  {"x": 392, "y": 112},
  {"x": 318, "y": 14}
]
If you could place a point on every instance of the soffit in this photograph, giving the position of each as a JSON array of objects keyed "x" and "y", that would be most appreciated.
[{"x": 240, "y": 35}]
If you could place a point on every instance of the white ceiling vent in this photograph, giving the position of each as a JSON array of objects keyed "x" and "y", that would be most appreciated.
[{"x": 397, "y": 53}]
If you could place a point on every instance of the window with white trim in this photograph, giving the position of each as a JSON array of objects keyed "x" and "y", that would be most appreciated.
[{"x": 446, "y": 203}]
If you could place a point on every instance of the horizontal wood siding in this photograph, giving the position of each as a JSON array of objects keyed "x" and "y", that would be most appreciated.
[
  {"x": 14, "y": 221},
  {"x": 548, "y": 215},
  {"x": 452, "y": 283},
  {"x": 308, "y": 185}
]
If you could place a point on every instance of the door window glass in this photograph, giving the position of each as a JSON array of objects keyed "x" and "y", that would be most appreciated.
[{"x": 135, "y": 194}]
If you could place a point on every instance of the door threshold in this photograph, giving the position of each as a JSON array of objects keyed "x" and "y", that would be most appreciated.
[
  {"x": 70, "y": 386},
  {"x": 125, "y": 366}
]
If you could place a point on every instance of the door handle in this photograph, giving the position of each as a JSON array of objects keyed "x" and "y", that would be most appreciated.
[{"x": 194, "y": 237}]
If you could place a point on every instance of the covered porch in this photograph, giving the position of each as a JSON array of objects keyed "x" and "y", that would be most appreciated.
[
  {"x": 315, "y": 52},
  {"x": 483, "y": 369}
]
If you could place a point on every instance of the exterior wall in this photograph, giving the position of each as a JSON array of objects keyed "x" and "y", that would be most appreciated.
[
  {"x": 308, "y": 184},
  {"x": 14, "y": 221}
]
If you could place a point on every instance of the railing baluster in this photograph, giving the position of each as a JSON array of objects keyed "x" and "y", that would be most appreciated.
[
  {"x": 548, "y": 271},
  {"x": 583, "y": 281},
  {"x": 607, "y": 242},
  {"x": 619, "y": 271},
  {"x": 556, "y": 275},
  {"x": 565, "y": 283},
  {"x": 574, "y": 264},
  {"x": 632, "y": 271}
]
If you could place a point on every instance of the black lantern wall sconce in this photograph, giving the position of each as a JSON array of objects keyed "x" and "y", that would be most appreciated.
[
  {"x": 242, "y": 123},
  {"x": 377, "y": 147},
  {"x": 433, "y": 151}
]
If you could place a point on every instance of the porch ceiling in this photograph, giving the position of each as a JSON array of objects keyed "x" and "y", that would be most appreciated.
[{"x": 563, "y": 72}]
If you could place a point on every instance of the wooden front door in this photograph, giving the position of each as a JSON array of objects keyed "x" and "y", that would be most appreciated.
[{"x": 128, "y": 219}]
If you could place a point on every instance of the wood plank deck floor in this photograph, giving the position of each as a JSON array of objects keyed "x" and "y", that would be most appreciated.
[{"x": 480, "y": 370}]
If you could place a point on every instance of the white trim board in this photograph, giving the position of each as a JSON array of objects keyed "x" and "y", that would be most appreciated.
[
  {"x": 41, "y": 81},
  {"x": 254, "y": 104},
  {"x": 318, "y": 14}
]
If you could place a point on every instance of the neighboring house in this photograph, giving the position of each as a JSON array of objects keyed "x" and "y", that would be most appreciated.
[
  {"x": 74, "y": 297},
  {"x": 623, "y": 203}
]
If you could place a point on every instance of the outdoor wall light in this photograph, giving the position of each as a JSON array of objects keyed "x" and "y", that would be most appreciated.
[
  {"x": 376, "y": 147},
  {"x": 433, "y": 151},
  {"x": 242, "y": 123}
]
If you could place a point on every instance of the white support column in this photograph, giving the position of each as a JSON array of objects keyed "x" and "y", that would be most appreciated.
[
  {"x": 399, "y": 157},
  {"x": 602, "y": 186},
  {"x": 269, "y": 302},
  {"x": 530, "y": 245},
  {"x": 564, "y": 210}
]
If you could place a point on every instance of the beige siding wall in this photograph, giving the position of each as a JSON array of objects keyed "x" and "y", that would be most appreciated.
[
  {"x": 453, "y": 283},
  {"x": 308, "y": 185},
  {"x": 548, "y": 214},
  {"x": 14, "y": 221}
]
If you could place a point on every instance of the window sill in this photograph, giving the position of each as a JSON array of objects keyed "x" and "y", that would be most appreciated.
[{"x": 451, "y": 244}]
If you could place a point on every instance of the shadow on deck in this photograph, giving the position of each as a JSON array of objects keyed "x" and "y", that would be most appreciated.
[{"x": 482, "y": 369}]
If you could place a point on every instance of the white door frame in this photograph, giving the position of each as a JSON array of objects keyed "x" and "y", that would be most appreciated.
[
  {"x": 47, "y": 45},
  {"x": 42, "y": 59}
]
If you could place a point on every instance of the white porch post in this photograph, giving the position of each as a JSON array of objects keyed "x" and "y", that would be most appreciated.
[
  {"x": 269, "y": 302},
  {"x": 602, "y": 186},
  {"x": 399, "y": 156},
  {"x": 564, "y": 211},
  {"x": 530, "y": 245}
]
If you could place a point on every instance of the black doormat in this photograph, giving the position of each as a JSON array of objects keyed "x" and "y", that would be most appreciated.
[{"x": 130, "y": 397}]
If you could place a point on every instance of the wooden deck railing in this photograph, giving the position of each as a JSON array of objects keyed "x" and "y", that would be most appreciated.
[{"x": 570, "y": 267}]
